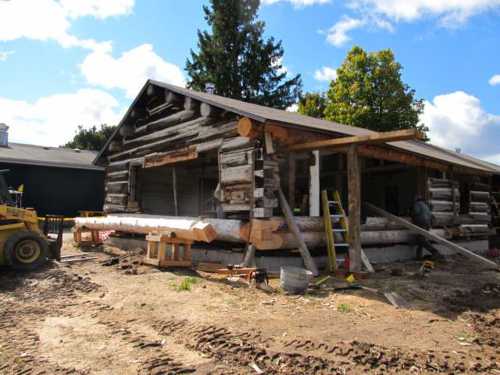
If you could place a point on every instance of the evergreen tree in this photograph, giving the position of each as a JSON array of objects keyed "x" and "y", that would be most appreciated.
[
  {"x": 236, "y": 58},
  {"x": 369, "y": 92}
]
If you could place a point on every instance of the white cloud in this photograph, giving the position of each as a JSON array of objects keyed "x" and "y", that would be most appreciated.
[
  {"x": 449, "y": 11},
  {"x": 325, "y": 74},
  {"x": 337, "y": 34},
  {"x": 495, "y": 80},
  {"x": 5, "y": 54},
  {"x": 53, "y": 120},
  {"x": 296, "y": 3},
  {"x": 45, "y": 20},
  {"x": 130, "y": 71},
  {"x": 97, "y": 8},
  {"x": 457, "y": 120}
]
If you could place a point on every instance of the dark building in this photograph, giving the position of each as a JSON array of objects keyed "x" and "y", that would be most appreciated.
[{"x": 55, "y": 180}]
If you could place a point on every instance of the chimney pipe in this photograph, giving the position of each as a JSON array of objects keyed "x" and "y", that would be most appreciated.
[{"x": 4, "y": 135}]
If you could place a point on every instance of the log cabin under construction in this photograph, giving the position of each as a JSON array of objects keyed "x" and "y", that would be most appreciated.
[{"x": 183, "y": 153}]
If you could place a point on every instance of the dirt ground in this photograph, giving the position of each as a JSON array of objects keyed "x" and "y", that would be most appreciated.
[{"x": 87, "y": 318}]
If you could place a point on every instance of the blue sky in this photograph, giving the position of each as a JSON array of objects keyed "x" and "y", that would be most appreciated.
[{"x": 65, "y": 63}]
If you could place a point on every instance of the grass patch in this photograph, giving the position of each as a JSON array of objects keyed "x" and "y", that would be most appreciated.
[
  {"x": 185, "y": 285},
  {"x": 344, "y": 308}
]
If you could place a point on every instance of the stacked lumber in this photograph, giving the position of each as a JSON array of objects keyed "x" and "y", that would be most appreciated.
[
  {"x": 444, "y": 201},
  {"x": 236, "y": 176},
  {"x": 479, "y": 203}
]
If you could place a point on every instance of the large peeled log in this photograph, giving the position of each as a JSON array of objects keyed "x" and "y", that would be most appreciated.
[{"x": 184, "y": 228}]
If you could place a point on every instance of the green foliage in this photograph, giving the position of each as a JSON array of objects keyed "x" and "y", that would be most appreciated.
[
  {"x": 370, "y": 93},
  {"x": 92, "y": 138},
  {"x": 236, "y": 58},
  {"x": 344, "y": 308},
  {"x": 312, "y": 104},
  {"x": 186, "y": 284}
]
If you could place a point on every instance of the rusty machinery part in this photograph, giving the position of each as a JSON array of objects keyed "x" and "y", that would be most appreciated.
[{"x": 26, "y": 250}]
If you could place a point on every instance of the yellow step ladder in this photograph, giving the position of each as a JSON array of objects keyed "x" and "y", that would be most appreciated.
[{"x": 335, "y": 221}]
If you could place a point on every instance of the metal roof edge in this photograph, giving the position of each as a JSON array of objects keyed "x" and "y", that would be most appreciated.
[{"x": 51, "y": 164}]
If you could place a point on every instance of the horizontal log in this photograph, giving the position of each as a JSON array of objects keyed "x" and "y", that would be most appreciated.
[
  {"x": 116, "y": 187},
  {"x": 187, "y": 229},
  {"x": 440, "y": 183},
  {"x": 439, "y": 206},
  {"x": 236, "y": 143},
  {"x": 164, "y": 122},
  {"x": 444, "y": 193},
  {"x": 239, "y": 174},
  {"x": 188, "y": 136},
  {"x": 112, "y": 208},
  {"x": 479, "y": 207},
  {"x": 119, "y": 175},
  {"x": 167, "y": 132},
  {"x": 225, "y": 230},
  {"x": 479, "y": 196},
  {"x": 286, "y": 240},
  {"x": 171, "y": 157},
  {"x": 120, "y": 199}
]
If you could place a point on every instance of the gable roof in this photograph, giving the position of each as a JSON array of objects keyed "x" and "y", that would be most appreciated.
[
  {"x": 293, "y": 119},
  {"x": 19, "y": 153}
]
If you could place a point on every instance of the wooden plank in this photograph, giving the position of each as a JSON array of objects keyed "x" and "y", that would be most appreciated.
[
  {"x": 304, "y": 251},
  {"x": 432, "y": 236},
  {"x": 354, "y": 192},
  {"x": 366, "y": 262},
  {"x": 396, "y": 135},
  {"x": 164, "y": 158}
]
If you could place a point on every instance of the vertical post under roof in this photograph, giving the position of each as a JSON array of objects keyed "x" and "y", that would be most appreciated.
[
  {"x": 314, "y": 186},
  {"x": 354, "y": 191}
]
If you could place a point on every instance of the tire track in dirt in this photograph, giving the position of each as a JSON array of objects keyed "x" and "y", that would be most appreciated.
[
  {"x": 25, "y": 301},
  {"x": 308, "y": 357}
]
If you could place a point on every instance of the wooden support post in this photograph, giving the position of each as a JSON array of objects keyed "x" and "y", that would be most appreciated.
[
  {"x": 292, "y": 225},
  {"x": 174, "y": 188},
  {"x": 314, "y": 186},
  {"x": 354, "y": 191},
  {"x": 292, "y": 168},
  {"x": 339, "y": 182}
]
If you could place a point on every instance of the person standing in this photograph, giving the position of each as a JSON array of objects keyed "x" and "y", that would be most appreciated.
[{"x": 421, "y": 215}]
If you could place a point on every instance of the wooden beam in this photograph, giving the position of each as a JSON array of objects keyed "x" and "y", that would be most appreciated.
[
  {"x": 292, "y": 169},
  {"x": 392, "y": 136},
  {"x": 174, "y": 191},
  {"x": 354, "y": 192},
  {"x": 390, "y": 154},
  {"x": 279, "y": 132},
  {"x": 304, "y": 251},
  {"x": 164, "y": 158},
  {"x": 432, "y": 236},
  {"x": 314, "y": 185}
]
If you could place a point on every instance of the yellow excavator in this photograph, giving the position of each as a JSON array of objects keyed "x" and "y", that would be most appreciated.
[{"x": 24, "y": 245}]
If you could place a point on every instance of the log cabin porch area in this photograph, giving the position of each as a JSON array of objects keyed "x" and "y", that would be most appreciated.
[{"x": 184, "y": 156}]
